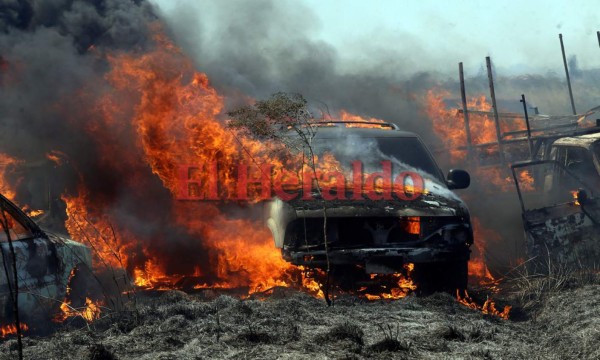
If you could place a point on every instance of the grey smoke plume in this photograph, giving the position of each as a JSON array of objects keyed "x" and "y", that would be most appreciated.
[{"x": 261, "y": 47}]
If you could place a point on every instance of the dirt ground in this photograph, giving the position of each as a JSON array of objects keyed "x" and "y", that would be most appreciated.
[{"x": 289, "y": 324}]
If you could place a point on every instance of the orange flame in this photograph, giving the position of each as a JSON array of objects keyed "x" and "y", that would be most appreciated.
[
  {"x": 477, "y": 265},
  {"x": 450, "y": 126},
  {"x": 404, "y": 285},
  {"x": 177, "y": 121},
  {"x": 488, "y": 307},
  {"x": 7, "y": 188},
  {"x": 6, "y": 162},
  {"x": 11, "y": 329},
  {"x": 575, "y": 198},
  {"x": 176, "y": 118},
  {"x": 57, "y": 157},
  {"x": 90, "y": 311}
]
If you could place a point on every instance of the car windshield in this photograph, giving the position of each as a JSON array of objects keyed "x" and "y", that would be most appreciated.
[
  {"x": 405, "y": 153},
  {"x": 11, "y": 228}
]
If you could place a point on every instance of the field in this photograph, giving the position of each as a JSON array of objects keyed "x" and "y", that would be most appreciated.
[{"x": 551, "y": 319}]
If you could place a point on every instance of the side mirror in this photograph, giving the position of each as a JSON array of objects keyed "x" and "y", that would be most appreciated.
[{"x": 458, "y": 179}]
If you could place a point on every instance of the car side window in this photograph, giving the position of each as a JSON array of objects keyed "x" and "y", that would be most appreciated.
[
  {"x": 580, "y": 162},
  {"x": 15, "y": 229}
]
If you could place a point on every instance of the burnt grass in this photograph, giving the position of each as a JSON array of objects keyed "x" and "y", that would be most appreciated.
[{"x": 289, "y": 324}]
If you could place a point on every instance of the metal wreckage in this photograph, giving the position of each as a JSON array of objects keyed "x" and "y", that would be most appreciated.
[
  {"x": 49, "y": 267},
  {"x": 555, "y": 166},
  {"x": 561, "y": 217}
]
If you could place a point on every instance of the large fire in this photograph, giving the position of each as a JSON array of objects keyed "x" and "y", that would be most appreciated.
[
  {"x": 174, "y": 116},
  {"x": 177, "y": 120}
]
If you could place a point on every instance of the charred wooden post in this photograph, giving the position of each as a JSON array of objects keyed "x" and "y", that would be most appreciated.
[
  {"x": 464, "y": 105},
  {"x": 496, "y": 118},
  {"x": 528, "y": 128},
  {"x": 562, "y": 49}
]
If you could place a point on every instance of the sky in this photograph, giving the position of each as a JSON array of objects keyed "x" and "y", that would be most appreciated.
[{"x": 520, "y": 36}]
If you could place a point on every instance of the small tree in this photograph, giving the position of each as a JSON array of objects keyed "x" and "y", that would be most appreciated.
[{"x": 270, "y": 120}]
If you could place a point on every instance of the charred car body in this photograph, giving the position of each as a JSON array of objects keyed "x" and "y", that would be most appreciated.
[
  {"x": 46, "y": 264},
  {"x": 431, "y": 229},
  {"x": 561, "y": 217}
]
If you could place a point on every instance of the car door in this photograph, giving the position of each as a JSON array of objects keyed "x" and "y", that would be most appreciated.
[{"x": 34, "y": 254}]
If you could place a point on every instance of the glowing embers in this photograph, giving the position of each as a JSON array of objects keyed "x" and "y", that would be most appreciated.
[
  {"x": 575, "y": 195},
  {"x": 401, "y": 285},
  {"x": 411, "y": 225},
  {"x": 353, "y": 281}
]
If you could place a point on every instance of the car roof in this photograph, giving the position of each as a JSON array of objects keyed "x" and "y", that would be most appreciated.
[
  {"x": 582, "y": 140},
  {"x": 337, "y": 129}
]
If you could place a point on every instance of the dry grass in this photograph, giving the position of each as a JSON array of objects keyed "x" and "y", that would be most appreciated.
[
  {"x": 530, "y": 289},
  {"x": 174, "y": 325}
]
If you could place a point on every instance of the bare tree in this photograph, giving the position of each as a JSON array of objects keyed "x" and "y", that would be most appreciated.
[{"x": 271, "y": 120}]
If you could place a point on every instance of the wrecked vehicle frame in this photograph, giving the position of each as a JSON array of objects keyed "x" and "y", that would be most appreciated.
[{"x": 565, "y": 233}]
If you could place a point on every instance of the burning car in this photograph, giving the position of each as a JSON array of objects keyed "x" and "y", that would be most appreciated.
[
  {"x": 48, "y": 267},
  {"x": 403, "y": 214}
]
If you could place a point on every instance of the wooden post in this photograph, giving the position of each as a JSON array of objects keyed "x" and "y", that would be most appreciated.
[
  {"x": 495, "y": 107},
  {"x": 528, "y": 128},
  {"x": 464, "y": 105},
  {"x": 598, "y": 33},
  {"x": 562, "y": 48}
]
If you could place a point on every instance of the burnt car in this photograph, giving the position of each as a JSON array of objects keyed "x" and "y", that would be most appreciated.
[
  {"x": 560, "y": 210},
  {"x": 428, "y": 227},
  {"x": 46, "y": 264}
]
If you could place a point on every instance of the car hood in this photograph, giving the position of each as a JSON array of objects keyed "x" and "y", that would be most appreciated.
[{"x": 425, "y": 205}]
